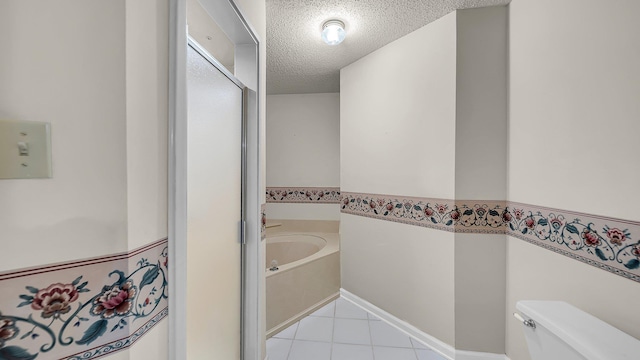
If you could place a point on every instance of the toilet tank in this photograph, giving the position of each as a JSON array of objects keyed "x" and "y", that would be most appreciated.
[{"x": 564, "y": 332}]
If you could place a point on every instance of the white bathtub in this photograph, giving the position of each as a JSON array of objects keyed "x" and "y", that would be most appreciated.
[{"x": 308, "y": 275}]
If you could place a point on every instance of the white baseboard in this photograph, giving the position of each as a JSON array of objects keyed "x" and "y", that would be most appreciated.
[
  {"x": 474, "y": 355},
  {"x": 444, "y": 349}
]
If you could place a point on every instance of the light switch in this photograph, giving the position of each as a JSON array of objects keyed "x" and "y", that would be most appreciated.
[{"x": 25, "y": 149}]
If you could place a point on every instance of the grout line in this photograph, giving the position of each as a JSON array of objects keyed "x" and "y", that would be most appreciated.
[
  {"x": 415, "y": 352},
  {"x": 369, "y": 321},
  {"x": 333, "y": 328},
  {"x": 397, "y": 328},
  {"x": 294, "y": 338},
  {"x": 297, "y": 328},
  {"x": 373, "y": 354}
]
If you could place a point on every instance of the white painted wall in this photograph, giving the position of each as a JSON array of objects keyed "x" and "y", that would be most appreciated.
[
  {"x": 398, "y": 137},
  {"x": 574, "y": 105},
  {"x": 147, "y": 141},
  {"x": 481, "y": 103},
  {"x": 54, "y": 69},
  {"x": 574, "y": 90},
  {"x": 407, "y": 271},
  {"x": 396, "y": 116},
  {"x": 481, "y": 174},
  {"x": 303, "y": 149},
  {"x": 303, "y": 140}
]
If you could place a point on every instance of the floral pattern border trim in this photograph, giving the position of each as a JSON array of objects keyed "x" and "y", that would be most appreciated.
[
  {"x": 121, "y": 344},
  {"x": 474, "y": 216},
  {"x": 83, "y": 309},
  {"x": 308, "y": 195},
  {"x": 607, "y": 243}
]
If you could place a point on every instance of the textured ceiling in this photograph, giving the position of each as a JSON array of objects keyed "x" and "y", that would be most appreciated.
[{"x": 299, "y": 62}]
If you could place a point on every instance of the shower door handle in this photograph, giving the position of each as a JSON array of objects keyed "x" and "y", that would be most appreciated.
[{"x": 243, "y": 232}]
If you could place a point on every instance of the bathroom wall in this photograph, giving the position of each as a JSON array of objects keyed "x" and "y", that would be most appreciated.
[
  {"x": 397, "y": 137},
  {"x": 52, "y": 72},
  {"x": 424, "y": 150},
  {"x": 481, "y": 167},
  {"x": 303, "y": 155},
  {"x": 574, "y": 90},
  {"x": 572, "y": 82},
  {"x": 97, "y": 71}
]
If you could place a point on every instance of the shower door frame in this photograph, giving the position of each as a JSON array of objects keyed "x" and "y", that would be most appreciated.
[{"x": 247, "y": 70}]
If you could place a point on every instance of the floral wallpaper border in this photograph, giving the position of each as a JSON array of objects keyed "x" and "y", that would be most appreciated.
[
  {"x": 121, "y": 344},
  {"x": 309, "y": 195},
  {"x": 607, "y": 243},
  {"x": 83, "y": 309},
  {"x": 481, "y": 216}
]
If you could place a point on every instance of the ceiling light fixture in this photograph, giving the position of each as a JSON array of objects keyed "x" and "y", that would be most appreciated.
[{"x": 333, "y": 32}]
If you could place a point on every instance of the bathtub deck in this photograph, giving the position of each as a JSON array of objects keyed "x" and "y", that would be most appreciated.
[{"x": 343, "y": 331}]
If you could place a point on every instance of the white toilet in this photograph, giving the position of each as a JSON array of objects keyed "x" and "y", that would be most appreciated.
[{"x": 556, "y": 330}]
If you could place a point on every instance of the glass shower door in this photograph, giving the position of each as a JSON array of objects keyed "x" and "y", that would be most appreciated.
[{"x": 214, "y": 196}]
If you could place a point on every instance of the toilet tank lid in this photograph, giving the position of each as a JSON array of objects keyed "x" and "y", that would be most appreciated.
[{"x": 591, "y": 337}]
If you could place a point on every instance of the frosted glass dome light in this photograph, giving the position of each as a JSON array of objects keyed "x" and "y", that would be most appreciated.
[{"x": 333, "y": 32}]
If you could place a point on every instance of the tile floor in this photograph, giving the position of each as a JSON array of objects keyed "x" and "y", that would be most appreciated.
[{"x": 343, "y": 331}]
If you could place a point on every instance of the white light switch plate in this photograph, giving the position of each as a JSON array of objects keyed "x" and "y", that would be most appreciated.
[{"x": 25, "y": 149}]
